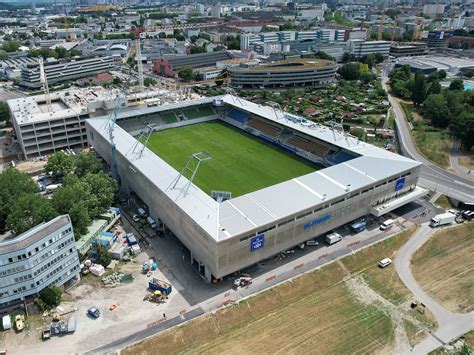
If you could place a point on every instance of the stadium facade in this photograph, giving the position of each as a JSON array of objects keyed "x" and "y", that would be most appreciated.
[{"x": 358, "y": 179}]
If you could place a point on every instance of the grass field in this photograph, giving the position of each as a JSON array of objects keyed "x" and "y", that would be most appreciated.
[
  {"x": 240, "y": 163},
  {"x": 350, "y": 306},
  {"x": 444, "y": 267}
]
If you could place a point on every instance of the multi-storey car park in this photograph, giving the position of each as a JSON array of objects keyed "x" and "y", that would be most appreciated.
[
  {"x": 283, "y": 74},
  {"x": 259, "y": 208}
]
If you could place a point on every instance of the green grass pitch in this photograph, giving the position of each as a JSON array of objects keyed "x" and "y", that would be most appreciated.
[{"x": 240, "y": 163}]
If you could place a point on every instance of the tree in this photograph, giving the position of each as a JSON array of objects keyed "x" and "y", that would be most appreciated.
[
  {"x": 29, "y": 210},
  {"x": 186, "y": 73},
  {"x": 378, "y": 58},
  {"x": 346, "y": 57},
  {"x": 323, "y": 55},
  {"x": 418, "y": 94},
  {"x": 350, "y": 71},
  {"x": 4, "y": 112},
  {"x": 86, "y": 162},
  {"x": 436, "y": 109},
  {"x": 442, "y": 74},
  {"x": 197, "y": 49},
  {"x": 434, "y": 87},
  {"x": 12, "y": 185},
  {"x": 103, "y": 257},
  {"x": 11, "y": 46},
  {"x": 59, "y": 164},
  {"x": 50, "y": 297},
  {"x": 462, "y": 127},
  {"x": 369, "y": 60},
  {"x": 456, "y": 84},
  {"x": 149, "y": 82},
  {"x": 104, "y": 188}
]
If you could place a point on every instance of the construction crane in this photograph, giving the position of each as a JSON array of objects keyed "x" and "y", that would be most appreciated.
[
  {"x": 138, "y": 56},
  {"x": 380, "y": 31},
  {"x": 110, "y": 125},
  {"x": 44, "y": 81}
]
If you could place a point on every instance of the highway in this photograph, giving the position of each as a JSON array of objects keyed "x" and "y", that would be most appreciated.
[{"x": 432, "y": 176}]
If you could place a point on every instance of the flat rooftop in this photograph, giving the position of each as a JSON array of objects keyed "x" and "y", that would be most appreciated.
[
  {"x": 289, "y": 64},
  {"x": 279, "y": 201},
  {"x": 447, "y": 63}
]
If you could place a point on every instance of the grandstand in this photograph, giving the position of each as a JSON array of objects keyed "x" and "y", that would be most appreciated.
[{"x": 289, "y": 179}]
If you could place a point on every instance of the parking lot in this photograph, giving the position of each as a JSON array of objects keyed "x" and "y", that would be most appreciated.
[{"x": 135, "y": 318}]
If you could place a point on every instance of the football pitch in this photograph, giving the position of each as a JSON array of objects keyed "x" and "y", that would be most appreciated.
[{"x": 240, "y": 163}]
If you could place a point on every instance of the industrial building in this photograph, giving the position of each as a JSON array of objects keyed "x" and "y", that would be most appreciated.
[
  {"x": 284, "y": 74},
  {"x": 432, "y": 63},
  {"x": 42, "y": 256},
  {"x": 42, "y": 129},
  {"x": 415, "y": 49},
  {"x": 220, "y": 238},
  {"x": 169, "y": 66},
  {"x": 436, "y": 39}
]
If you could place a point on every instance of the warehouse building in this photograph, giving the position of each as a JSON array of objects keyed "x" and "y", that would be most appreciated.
[
  {"x": 170, "y": 65},
  {"x": 42, "y": 256},
  {"x": 284, "y": 74},
  {"x": 225, "y": 236},
  {"x": 433, "y": 63}
]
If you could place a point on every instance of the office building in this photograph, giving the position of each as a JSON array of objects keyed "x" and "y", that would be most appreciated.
[
  {"x": 42, "y": 256},
  {"x": 360, "y": 48}
]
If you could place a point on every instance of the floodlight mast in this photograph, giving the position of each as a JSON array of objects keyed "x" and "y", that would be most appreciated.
[
  {"x": 192, "y": 165},
  {"x": 110, "y": 125}
]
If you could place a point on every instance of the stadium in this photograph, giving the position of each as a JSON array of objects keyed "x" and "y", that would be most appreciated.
[{"x": 238, "y": 182}]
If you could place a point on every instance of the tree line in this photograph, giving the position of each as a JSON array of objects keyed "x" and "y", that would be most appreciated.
[
  {"x": 86, "y": 192},
  {"x": 448, "y": 108}
]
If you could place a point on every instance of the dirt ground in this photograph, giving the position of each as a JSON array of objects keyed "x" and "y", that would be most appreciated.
[
  {"x": 444, "y": 267},
  {"x": 350, "y": 306},
  {"x": 91, "y": 333}
]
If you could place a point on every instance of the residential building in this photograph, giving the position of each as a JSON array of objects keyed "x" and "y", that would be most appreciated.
[
  {"x": 433, "y": 10},
  {"x": 42, "y": 256}
]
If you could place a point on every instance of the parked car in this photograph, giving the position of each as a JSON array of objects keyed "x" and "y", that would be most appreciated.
[
  {"x": 385, "y": 262},
  {"x": 93, "y": 312},
  {"x": 135, "y": 218}
]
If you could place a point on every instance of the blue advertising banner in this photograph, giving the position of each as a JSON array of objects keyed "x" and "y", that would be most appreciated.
[
  {"x": 257, "y": 242},
  {"x": 400, "y": 184}
]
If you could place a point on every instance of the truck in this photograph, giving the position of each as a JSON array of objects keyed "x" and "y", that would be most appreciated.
[
  {"x": 333, "y": 238},
  {"x": 158, "y": 285},
  {"x": 151, "y": 222},
  {"x": 442, "y": 219}
]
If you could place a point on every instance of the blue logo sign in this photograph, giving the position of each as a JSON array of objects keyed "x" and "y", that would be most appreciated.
[
  {"x": 400, "y": 184},
  {"x": 257, "y": 242},
  {"x": 317, "y": 221}
]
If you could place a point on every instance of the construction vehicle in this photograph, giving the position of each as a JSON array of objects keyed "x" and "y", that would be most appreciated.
[
  {"x": 149, "y": 265},
  {"x": 158, "y": 285},
  {"x": 156, "y": 297},
  {"x": 19, "y": 322}
]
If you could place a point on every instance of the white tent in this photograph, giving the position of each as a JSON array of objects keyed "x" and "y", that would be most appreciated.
[{"x": 6, "y": 322}]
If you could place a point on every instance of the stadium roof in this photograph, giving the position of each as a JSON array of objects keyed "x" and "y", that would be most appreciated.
[{"x": 260, "y": 208}]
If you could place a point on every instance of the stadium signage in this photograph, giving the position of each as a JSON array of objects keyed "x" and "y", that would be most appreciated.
[
  {"x": 257, "y": 242},
  {"x": 317, "y": 221},
  {"x": 400, "y": 184}
]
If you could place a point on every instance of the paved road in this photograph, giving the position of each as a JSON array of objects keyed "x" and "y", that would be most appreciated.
[
  {"x": 454, "y": 160},
  {"x": 451, "y": 325},
  {"x": 431, "y": 176}
]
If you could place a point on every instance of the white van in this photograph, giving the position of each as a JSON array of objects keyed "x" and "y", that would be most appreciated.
[
  {"x": 387, "y": 224},
  {"x": 141, "y": 212},
  {"x": 151, "y": 222},
  {"x": 385, "y": 262},
  {"x": 333, "y": 238}
]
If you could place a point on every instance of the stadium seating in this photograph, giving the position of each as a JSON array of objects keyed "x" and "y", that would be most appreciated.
[
  {"x": 338, "y": 157},
  {"x": 198, "y": 112},
  {"x": 169, "y": 117},
  {"x": 239, "y": 116},
  {"x": 315, "y": 147},
  {"x": 264, "y": 127}
]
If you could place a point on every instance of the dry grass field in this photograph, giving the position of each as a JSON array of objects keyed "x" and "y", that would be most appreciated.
[
  {"x": 444, "y": 267},
  {"x": 350, "y": 306}
]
